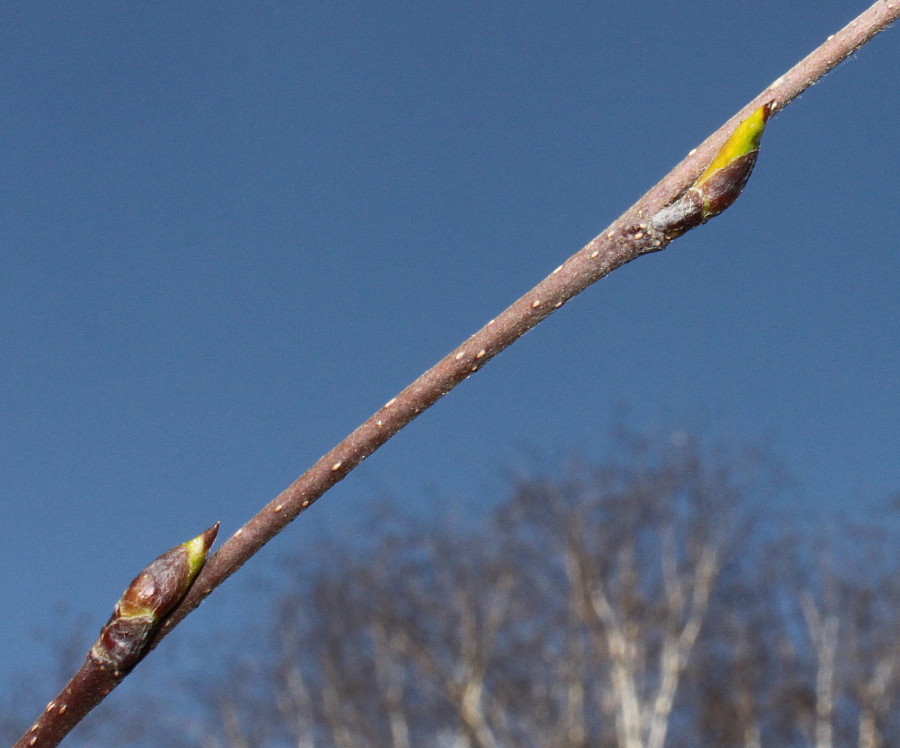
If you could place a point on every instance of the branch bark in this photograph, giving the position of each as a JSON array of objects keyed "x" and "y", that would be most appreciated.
[{"x": 628, "y": 237}]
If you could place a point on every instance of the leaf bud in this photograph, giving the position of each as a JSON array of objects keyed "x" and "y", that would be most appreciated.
[
  {"x": 720, "y": 183},
  {"x": 149, "y": 598}
]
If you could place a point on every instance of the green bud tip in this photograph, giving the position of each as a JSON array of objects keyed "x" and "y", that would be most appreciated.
[
  {"x": 198, "y": 548},
  {"x": 745, "y": 139}
]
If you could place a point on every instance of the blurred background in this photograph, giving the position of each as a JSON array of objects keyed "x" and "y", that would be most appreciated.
[{"x": 231, "y": 231}]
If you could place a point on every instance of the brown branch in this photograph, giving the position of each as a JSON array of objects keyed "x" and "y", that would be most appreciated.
[
  {"x": 630, "y": 236},
  {"x": 125, "y": 638}
]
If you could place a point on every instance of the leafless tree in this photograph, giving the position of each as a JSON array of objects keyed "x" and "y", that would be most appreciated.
[{"x": 624, "y": 602}]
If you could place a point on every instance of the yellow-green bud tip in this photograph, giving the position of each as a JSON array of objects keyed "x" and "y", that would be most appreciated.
[
  {"x": 198, "y": 548},
  {"x": 745, "y": 139}
]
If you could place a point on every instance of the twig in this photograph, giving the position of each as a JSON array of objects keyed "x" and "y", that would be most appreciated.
[
  {"x": 630, "y": 236},
  {"x": 125, "y": 638}
]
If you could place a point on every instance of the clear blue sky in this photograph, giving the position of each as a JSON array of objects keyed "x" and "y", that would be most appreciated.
[{"x": 230, "y": 231}]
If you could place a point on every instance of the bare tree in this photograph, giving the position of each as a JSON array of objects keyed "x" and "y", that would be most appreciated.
[
  {"x": 803, "y": 642},
  {"x": 851, "y": 617},
  {"x": 823, "y": 631},
  {"x": 625, "y": 602},
  {"x": 643, "y": 590}
]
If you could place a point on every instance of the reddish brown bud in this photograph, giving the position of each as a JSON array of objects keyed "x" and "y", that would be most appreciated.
[{"x": 149, "y": 598}]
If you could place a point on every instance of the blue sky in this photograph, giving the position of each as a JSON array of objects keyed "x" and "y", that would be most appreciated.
[{"x": 230, "y": 231}]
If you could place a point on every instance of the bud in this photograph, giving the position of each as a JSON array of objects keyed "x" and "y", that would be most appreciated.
[
  {"x": 148, "y": 599},
  {"x": 720, "y": 183}
]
